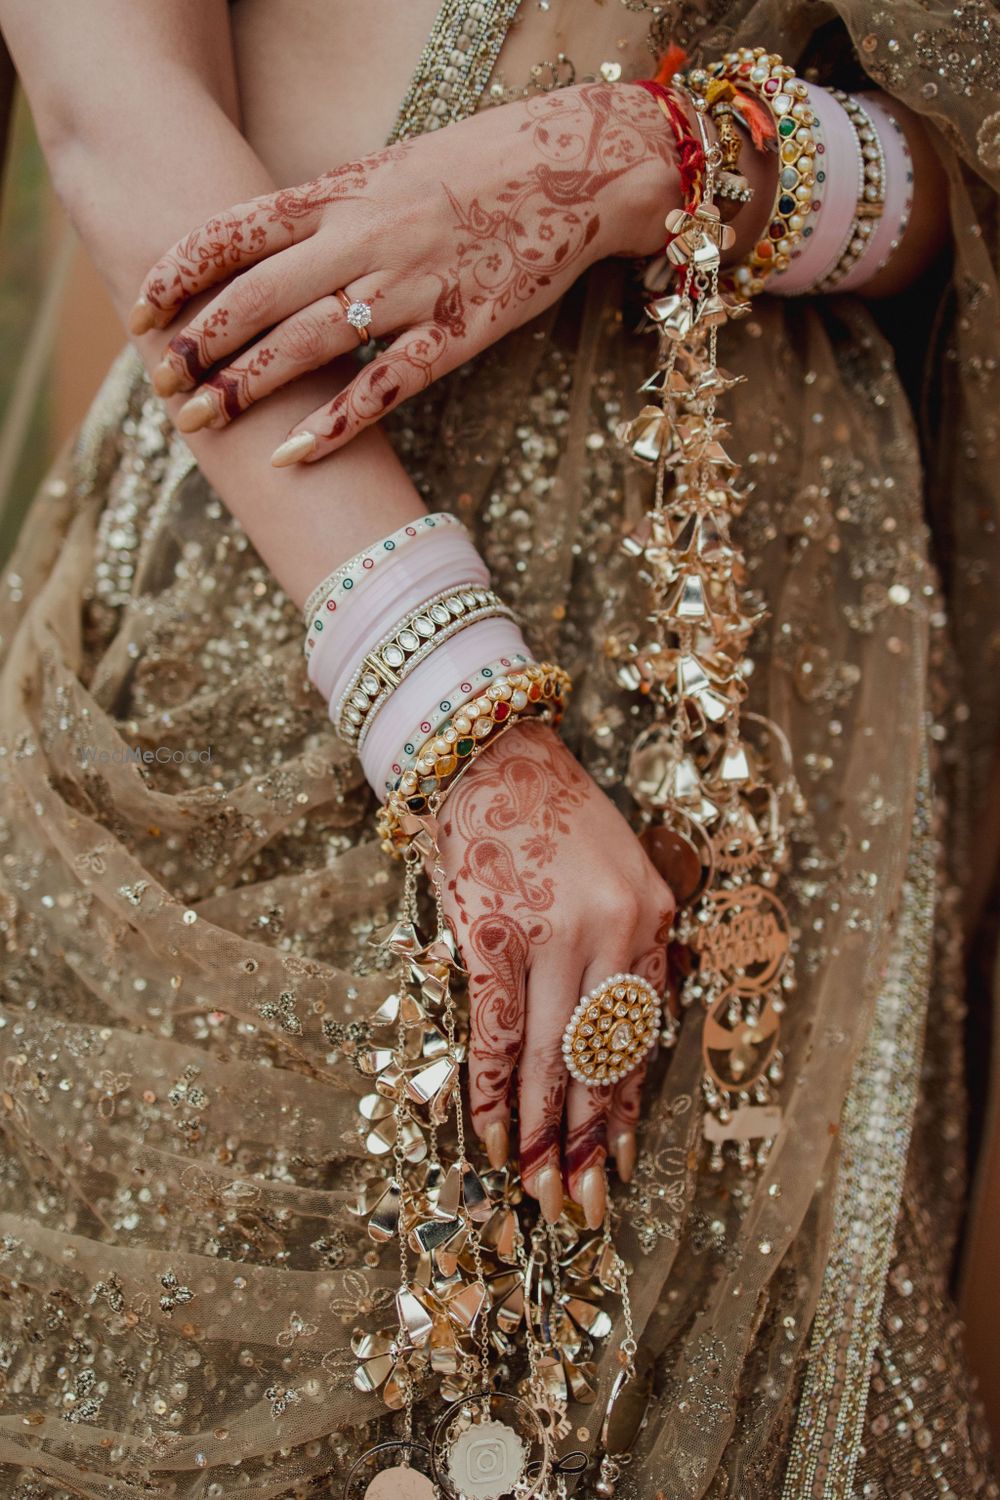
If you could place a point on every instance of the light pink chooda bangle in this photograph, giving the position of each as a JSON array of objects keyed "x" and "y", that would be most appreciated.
[
  {"x": 441, "y": 560},
  {"x": 441, "y": 679},
  {"x": 898, "y": 204}
]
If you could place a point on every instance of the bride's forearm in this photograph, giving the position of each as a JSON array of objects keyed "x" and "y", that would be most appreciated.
[{"x": 127, "y": 182}]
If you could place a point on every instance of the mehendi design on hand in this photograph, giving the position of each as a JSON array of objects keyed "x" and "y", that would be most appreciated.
[
  {"x": 501, "y": 900},
  {"x": 587, "y": 1142},
  {"x": 541, "y": 1146},
  {"x": 538, "y": 229},
  {"x": 252, "y": 230},
  {"x": 485, "y": 263}
]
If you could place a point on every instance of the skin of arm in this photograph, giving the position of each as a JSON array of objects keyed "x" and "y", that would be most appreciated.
[{"x": 128, "y": 186}]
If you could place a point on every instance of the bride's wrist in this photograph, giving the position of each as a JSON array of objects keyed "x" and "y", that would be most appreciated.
[{"x": 638, "y": 200}]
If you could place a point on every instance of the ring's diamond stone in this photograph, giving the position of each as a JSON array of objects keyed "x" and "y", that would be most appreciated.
[
  {"x": 359, "y": 314},
  {"x": 622, "y": 1036}
]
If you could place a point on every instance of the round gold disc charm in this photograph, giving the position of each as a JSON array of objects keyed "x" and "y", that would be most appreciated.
[
  {"x": 399, "y": 1483},
  {"x": 611, "y": 1029}
]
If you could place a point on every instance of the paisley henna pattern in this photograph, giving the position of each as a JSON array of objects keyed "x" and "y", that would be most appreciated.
[
  {"x": 519, "y": 838},
  {"x": 508, "y": 815}
]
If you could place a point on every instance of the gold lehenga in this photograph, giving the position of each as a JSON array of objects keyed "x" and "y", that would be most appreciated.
[{"x": 186, "y": 956}]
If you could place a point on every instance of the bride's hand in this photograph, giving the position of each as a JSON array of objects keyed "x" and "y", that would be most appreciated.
[
  {"x": 550, "y": 893},
  {"x": 453, "y": 239}
]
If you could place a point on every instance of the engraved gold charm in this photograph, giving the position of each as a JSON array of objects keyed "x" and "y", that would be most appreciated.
[{"x": 486, "y": 1461}]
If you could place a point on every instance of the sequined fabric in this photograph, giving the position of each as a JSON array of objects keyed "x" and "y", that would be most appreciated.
[{"x": 187, "y": 932}]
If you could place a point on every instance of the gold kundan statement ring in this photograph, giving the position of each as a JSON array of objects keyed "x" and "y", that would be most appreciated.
[{"x": 612, "y": 1029}]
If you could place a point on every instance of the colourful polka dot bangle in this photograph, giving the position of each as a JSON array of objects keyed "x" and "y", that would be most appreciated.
[
  {"x": 329, "y": 596},
  {"x": 435, "y": 721}
]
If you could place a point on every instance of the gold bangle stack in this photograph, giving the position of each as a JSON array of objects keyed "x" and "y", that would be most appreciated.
[{"x": 534, "y": 691}]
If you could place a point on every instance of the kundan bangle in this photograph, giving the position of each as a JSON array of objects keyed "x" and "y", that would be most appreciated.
[
  {"x": 535, "y": 691},
  {"x": 435, "y": 562},
  {"x": 413, "y": 637},
  {"x": 433, "y": 723},
  {"x": 760, "y": 78}
]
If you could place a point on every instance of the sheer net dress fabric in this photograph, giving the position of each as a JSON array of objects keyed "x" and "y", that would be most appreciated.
[{"x": 186, "y": 942}]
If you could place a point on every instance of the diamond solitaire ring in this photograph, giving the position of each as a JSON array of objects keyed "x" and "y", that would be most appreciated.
[{"x": 358, "y": 314}]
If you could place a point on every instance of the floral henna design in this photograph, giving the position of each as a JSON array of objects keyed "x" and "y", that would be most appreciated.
[
  {"x": 538, "y": 230},
  {"x": 407, "y": 367},
  {"x": 255, "y": 229},
  {"x": 505, "y": 244},
  {"x": 545, "y": 220}
]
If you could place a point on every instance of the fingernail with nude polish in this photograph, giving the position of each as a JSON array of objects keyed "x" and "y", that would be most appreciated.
[
  {"x": 294, "y": 450},
  {"x": 625, "y": 1155},
  {"x": 142, "y": 317},
  {"x": 497, "y": 1143},
  {"x": 549, "y": 1188},
  {"x": 166, "y": 380},
  {"x": 592, "y": 1196},
  {"x": 196, "y": 413}
]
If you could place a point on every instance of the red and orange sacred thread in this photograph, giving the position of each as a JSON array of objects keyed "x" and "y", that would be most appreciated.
[{"x": 688, "y": 149}]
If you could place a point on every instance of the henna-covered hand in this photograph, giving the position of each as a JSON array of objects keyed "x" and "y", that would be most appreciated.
[
  {"x": 550, "y": 893},
  {"x": 453, "y": 239}
]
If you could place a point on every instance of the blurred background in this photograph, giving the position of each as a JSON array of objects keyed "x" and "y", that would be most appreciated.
[{"x": 58, "y": 333}]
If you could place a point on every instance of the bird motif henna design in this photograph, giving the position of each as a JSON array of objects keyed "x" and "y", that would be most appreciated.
[{"x": 539, "y": 229}]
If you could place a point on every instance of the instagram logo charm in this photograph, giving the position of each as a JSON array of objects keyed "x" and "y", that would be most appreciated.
[{"x": 486, "y": 1461}]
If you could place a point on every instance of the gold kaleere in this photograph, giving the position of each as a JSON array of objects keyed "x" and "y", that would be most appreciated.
[
  {"x": 712, "y": 819},
  {"x": 470, "y": 1290}
]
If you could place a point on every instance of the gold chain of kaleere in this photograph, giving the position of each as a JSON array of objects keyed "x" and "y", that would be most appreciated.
[{"x": 712, "y": 783}]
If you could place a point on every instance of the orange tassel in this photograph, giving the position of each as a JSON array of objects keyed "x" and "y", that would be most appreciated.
[
  {"x": 758, "y": 117},
  {"x": 670, "y": 63}
]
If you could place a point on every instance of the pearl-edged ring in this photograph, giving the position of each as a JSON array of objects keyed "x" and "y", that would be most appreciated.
[
  {"x": 358, "y": 314},
  {"x": 612, "y": 1029}
]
